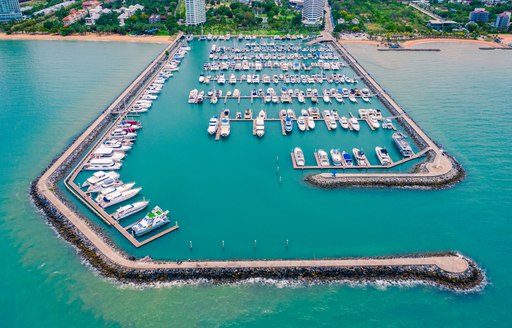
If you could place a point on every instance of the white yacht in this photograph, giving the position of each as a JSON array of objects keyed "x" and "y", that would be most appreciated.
[
  {"x": 232, "y": 79},
  {"x": 130, "y": 209},
  {"x": 383, "y": 156},
  {"x": 192, "y": 96},
  {"x": 153, "y": 220},
  {"x": 344, "y": 122},
  {"x": 323, "y": 158},
  {"x": 354, "y": 123},
  {"x": 352, "y": 99},
  {"x": 110, "y": 190},
  {"x": 108, "y": 183},
  {"x": 374, "y": 122},
  {"x": 213, "y": 125},
  {"x": 311, "y": 122},
  {"x": 98, "y": 177},
  {"x": 99, "y": 164},
  {"x": 260, "y": 126},
  {"x": 336, "y": 157},
  {"x": 402, "y": 145},
  {"x": 108, "y": 152},
  {"x": 299, "y": 156},
  {"x": 360, "y": 157},
  {"x": 301, "y": 122},
  {"x": 225, "y": 127},
  {"x": 221, "y": 79},
  {"x": 118, "y": 197}
]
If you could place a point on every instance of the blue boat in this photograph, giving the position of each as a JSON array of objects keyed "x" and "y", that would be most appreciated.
[{"x": 347, "y": 159}]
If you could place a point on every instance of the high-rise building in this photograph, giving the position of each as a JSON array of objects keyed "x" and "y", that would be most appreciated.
[
  {"x": 479, "y": 15},
  {"x": 313, "y": 11},
  {"x": 9, "y": 10},
  {"x": 196, "y": 12},
  {"x": 502, "y": 21}
]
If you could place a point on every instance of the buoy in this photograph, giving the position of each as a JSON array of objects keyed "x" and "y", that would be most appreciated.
[
  {"x": 287, "y": 243},
  {"x": 191, "y": 244},
  {"x": 254, "y": 243},
  {"x": 223, "y": 244},
  {"x": 280, "y": 179}
]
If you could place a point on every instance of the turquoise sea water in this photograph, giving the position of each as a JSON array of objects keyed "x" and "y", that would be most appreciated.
[{"x": 51, "y": 90}]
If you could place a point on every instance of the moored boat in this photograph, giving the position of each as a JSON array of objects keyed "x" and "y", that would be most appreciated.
[
  {"x": 213, "y": 125},
  {"x": 383, "y": 156},
  {"x": 360, "y": 157},
  {"x": 354, "y": 123},
  {"x": 153, "y": 220},
  {"x": 336, "y": 157},
  {"x": 301, "y": 122},
  {"x": 127, "y": 210},
  {"x": 299, "y": 156},
  {"x": 118, "y": 197},
  {"x": 346, "y": 159},
  {"x": 260, "y": 126},
  {"x": 323, "y": 158},
  {"x": 402, "y": 145}
]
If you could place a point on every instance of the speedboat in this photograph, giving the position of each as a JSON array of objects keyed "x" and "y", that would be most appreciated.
[
  {"x": 360, "y": 157},
  {"x": 248, "y": 114},
  {"x": 213, "y": 125},
  {"x": 288, "y": 125},
  {"x": 323, "y": 158},
  {"x": 260, "y": 126},
  {"x": 346, "y": 159},
  {"x": 201, "y": 78},
  {"x": 192, "y": 96},
  {"x": 352, "y": 99},
  {"x": 339, "y": 98},
  {"x": 383, "y": 156},
  {"x": 299, "y": 156},
  {"x": 402, "y": 145},
  {"x": 327, "y": 99},
  {"x": 214, "y": 99},
  {"x": 354, "y": 123},
  {"x": 262, "y": 114},
  {"x": 301, "y": 99},
  {"x": 225, "y": 127},
  {"x": 301, "y": 122},
  {"x": 290, "y": 113},
  {"x": 336, "y": 157},
  {"x": 365, "y": 99},
  {"x": 282, "y": 113},
  {"x": 232, "y": 79},
  {"x": 127, "y": 210},
  {"x": 344, "y": 122},
  {"x": 153, "y": 220}
]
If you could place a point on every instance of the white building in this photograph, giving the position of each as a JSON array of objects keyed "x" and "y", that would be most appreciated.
[
  {"x": 96, "y": 13},
  {"x": 313, "y": 12},
  {"x": 196, "y": 12},
  {"x": 127, "y": 12}
]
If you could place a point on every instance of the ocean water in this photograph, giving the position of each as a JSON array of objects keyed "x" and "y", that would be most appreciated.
[{"x": 52, "y": 90}]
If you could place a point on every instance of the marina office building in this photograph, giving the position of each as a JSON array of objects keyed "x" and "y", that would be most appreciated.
[
  {"x": 312, "y": 12},
  {"x": 9, "y": 10},
  {"x": 196, "y": 12}
]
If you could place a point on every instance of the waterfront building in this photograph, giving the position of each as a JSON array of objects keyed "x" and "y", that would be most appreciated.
[
  {"x": 502, "y": 21},
  {"x": 154, "y": 19},
  {"x": 74, "y": 16},
  {"x": 442, "y": 25},
  {"x": 9, "y": 10},
  {"x": 479, "y": 15},
  {"x": 312, "y": 12},
  {"x": 196, "y": 12},
  {"x": 54, "y": 8}
]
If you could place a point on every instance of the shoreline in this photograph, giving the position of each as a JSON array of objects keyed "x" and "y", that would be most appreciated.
[
  {"x": 409, "y": 44},
  {"x": 446, "y": 269},
  {"x": 93, "y": 37}
]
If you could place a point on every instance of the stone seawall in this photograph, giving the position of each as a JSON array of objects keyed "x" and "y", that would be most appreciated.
[{"x": 470, "y": 280}]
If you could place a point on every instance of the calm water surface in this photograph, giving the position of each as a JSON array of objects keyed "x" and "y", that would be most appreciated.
[{"x": 51, "y": 90}]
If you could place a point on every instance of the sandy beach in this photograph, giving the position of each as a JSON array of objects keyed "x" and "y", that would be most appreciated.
[
  {"x": 411, "y": 43},
  {"x": 89, "y": 37}
]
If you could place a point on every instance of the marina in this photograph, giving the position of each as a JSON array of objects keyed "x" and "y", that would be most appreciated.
[{"x": 293, "y": 113}]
